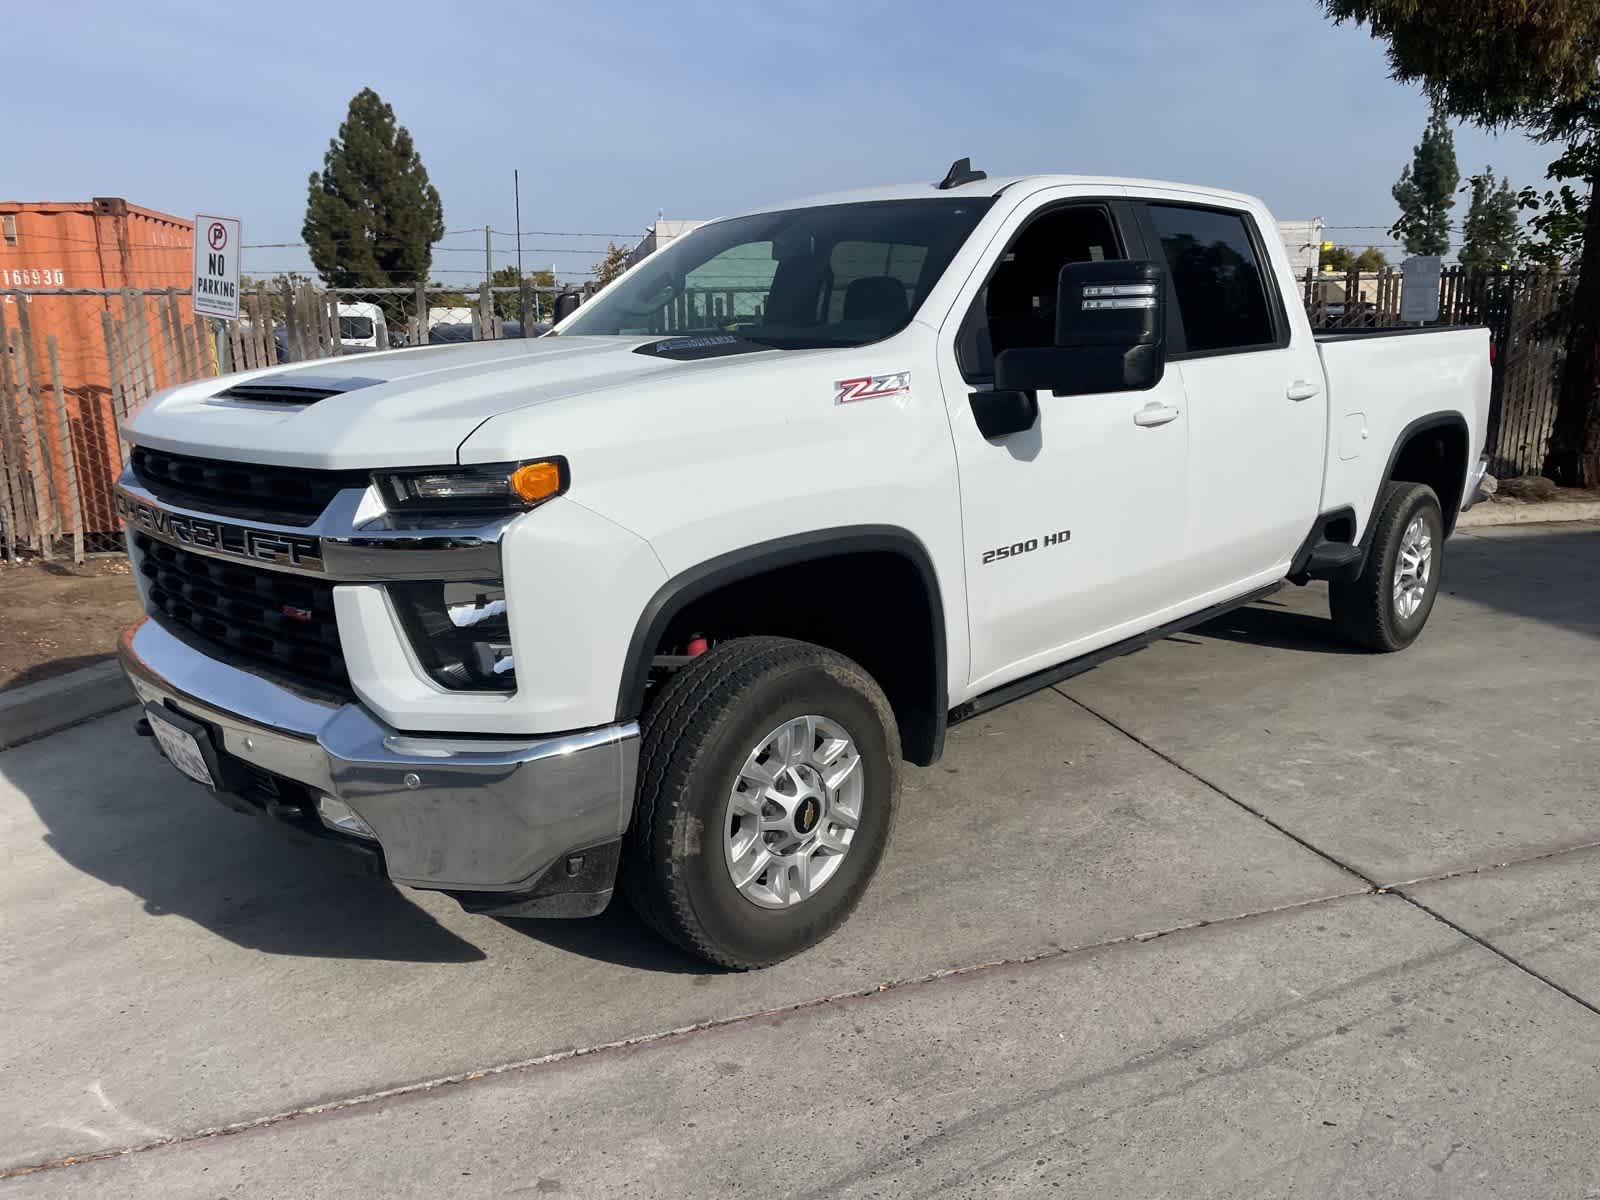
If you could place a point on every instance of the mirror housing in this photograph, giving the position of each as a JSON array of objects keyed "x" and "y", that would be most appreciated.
[
  {"x": 1110, "y": 334},
  {"x": 1002, "y": 413},
  {"x": 567, "y": 303}
]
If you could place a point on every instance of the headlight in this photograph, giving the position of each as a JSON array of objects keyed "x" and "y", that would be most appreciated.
[
  {"x": 460, "y": 633},
  {"x": 491, "y": 489}
]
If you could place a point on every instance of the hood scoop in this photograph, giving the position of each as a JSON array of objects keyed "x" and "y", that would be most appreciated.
[{"x": 293, "y": 389}]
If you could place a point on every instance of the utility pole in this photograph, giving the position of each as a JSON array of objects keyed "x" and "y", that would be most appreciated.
[
  {"x": 522, "y": 280},
  {"x": 488, "y": 256},
  {"x": 516, "y": 195}
]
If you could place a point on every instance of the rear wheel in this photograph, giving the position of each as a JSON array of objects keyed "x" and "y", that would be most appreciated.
[
  {"x": 1387, "y": 606},
  {"x": 769, "y": 771}
]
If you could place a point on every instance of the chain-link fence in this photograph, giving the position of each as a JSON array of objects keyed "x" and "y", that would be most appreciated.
[{"x": 74, "y": 363}]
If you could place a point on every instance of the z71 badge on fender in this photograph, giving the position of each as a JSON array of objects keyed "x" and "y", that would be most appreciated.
[
  {"x": 1060, "y": 538},
  {"x": 871, "y": 387}
]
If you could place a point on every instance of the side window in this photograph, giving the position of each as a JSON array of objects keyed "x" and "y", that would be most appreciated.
[
  {"x": 1219, "y": 278},
  {"x": 852, "y": 262},
  {"x": 1017, "y": 308}
]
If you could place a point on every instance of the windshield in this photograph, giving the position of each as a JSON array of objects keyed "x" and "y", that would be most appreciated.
[
  {"x": 833, "y": 275},
  {"x": 355, "y": 327}
]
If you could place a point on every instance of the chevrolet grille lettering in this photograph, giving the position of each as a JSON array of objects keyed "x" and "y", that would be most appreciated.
[{"x": 218, "y": 537}]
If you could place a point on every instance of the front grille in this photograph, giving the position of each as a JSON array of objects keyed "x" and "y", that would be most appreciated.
[
  {"x": 278, "y": 495},
  {"x": 283, "y": 621}
]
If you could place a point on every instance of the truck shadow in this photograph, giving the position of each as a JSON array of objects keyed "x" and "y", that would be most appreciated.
[
  {"x": 616, "y": 936},
  {"x": 1548, "y": 574},
  {"x": 114, "y": 811},
  {"x": 1266, "y": 624},
  {"x": 1551, "y": 576}
]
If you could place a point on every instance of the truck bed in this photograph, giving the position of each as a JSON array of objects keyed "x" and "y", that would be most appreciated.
[{"x": 1383, "y": 385}]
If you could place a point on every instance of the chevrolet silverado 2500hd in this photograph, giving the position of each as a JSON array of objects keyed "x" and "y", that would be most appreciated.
[{"x": 663, "y": 599}]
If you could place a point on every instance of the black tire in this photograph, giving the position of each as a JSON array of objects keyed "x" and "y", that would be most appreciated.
[
  {"x": 695, "y": 738},
  {"x": 1364, "y": 609}
]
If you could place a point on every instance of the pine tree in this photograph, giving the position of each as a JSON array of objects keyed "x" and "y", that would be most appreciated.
[
  {"x": 1489, "y": 236},
  {"x": 1426, "y": 191},
  {"x": 372, "y": 216},
  {"x": 613, "y": 264}
]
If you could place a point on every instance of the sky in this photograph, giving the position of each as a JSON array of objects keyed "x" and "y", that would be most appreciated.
[{"x": 614, "y": 111}]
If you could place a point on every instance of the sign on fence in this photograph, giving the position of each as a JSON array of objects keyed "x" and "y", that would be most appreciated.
[
  {"x": 1419, "y": 295},
  {"x": 216, "y": 267}
]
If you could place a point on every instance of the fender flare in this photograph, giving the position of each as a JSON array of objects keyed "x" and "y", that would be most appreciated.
[
  {"x": 1450, "y": 504},
  {"x": 747, "y": 561}
]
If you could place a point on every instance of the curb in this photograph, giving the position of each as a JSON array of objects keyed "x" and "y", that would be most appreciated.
[
  {"x": 51, "y": 705},
  {"x": 1481, "y": 516}
]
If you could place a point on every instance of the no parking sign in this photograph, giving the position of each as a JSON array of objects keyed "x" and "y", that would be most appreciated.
[{"x": 216, "y": 267}]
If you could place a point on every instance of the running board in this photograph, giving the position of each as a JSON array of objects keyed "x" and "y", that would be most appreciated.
[{"x": 1028, "y": 684}]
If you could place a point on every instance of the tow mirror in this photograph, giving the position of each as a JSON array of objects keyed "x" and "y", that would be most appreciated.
[
  {"x": 1110, "y": 334},
  {"x": 566, "y": 303}
]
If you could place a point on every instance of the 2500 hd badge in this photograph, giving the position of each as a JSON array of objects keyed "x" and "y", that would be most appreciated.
[
  {"x": 218, "y": 538},
  {"x": 1059, "y": 538}
]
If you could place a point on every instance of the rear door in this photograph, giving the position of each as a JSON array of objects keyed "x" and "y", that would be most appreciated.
[{"x": 1254, "y": 388}]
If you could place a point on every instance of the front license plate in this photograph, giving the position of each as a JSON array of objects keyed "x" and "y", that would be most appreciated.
[{"x": 182, "y": 749}]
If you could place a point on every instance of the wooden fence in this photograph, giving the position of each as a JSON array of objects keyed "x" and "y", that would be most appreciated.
[
  {"x": 1526, "y": 312},
  {"x": 76, "y": 362}
]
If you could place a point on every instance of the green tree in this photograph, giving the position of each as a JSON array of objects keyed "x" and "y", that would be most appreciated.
[
  {"x": 508, "y": 305},
  {"x": 1555, "y": 236},
  {"x": 1491, "y": 231},
  {"x": 613, "y": 264},
  {"x": 1335, "y": 258},
  {"x": 1505, "y": 63},
  {"x": 1426, "y": 190},
  {"x": 372, "y": 216},
  {"x": 1343, "y": 260}
]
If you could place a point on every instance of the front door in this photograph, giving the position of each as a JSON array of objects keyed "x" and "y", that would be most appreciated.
[{"x": 1069, "y": 527}]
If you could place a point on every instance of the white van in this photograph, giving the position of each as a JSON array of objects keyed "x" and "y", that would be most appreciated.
[{"x": 362, "y": 327}]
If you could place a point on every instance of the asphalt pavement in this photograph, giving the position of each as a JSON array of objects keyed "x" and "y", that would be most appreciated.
[{"x": 1240, "y": 914}]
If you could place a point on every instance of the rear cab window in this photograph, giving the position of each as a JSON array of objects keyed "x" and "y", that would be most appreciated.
[{"x": 1222, "y": 298}]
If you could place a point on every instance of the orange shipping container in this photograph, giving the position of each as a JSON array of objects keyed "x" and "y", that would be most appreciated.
[{"x": 102, "y": 243}]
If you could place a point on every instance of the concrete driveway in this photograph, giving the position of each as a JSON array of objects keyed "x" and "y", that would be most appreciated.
[{"x": 1241, "y": 914}]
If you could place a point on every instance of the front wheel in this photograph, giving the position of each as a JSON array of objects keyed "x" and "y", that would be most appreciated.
[
  {"x": 1385, "y": 608},
  {"x": 769, "y": 771}
]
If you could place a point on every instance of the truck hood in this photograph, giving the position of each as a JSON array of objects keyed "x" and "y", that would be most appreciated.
[{"x": 396, "y": 408}]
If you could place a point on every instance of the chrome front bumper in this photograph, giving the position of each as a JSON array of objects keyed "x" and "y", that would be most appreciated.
[{"x": 460, "y": 814}]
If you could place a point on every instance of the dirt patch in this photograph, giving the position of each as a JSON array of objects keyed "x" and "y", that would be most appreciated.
[
  {"x": 56, "y": 617},
  {"x": 1533, "y": 489}
]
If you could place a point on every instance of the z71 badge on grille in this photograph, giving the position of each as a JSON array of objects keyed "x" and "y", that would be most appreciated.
[{"x": 218, "y": 538}]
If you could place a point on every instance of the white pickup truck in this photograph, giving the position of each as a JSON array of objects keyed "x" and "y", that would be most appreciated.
[{"x": 663, "y": 599}]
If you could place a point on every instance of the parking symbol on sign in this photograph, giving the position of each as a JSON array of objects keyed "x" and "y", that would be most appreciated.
[{"x": 217, "y": 235}]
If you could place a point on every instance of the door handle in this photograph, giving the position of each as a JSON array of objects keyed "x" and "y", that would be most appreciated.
[
  {"x": 1155, "y": 413},
  {"x": 1303, "y": 389}
]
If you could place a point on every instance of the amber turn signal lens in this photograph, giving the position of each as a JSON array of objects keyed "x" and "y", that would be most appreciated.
[{"x": 535, "y": 481}]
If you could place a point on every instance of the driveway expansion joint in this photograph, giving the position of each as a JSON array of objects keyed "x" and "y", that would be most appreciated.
[
  {"x": 421, "y": 1088},
  {"x": 1390, "y": 889}
]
